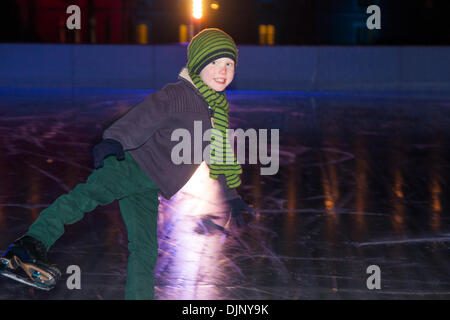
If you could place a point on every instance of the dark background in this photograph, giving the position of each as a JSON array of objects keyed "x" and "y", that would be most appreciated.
[{"x": 297, "y": 22}]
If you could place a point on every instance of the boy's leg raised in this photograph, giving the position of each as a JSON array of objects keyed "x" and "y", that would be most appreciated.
[
  {"x": 115, "y": 180},
  {"x": 140, "y": 212}
]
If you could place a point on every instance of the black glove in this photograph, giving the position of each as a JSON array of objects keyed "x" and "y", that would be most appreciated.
[
  {"x": 106, "y": 148},
  {"x": 238, "y": 206}
]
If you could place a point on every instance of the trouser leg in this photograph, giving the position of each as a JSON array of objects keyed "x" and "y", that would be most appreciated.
[
  {"x": 140, "y": 212},
  {"x": 115, "y": 180}
]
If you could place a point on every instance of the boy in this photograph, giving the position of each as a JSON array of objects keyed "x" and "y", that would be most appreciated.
[{"x": 140, "y": 142}]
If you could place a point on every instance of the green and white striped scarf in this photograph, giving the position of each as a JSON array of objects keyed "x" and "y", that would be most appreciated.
[{"x": 222, "y": 159}]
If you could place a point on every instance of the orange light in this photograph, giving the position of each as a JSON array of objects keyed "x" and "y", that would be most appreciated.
[
  {"x": 197, "y": 9},
  {"x": 215, "y": 5}
]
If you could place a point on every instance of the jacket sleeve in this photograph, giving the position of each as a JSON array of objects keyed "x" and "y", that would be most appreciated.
[
  {"x": 134, "y": 128},
  {"x": 228, "y": 193}
]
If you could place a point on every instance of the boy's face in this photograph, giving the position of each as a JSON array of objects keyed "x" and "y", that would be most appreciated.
[{"x": 218, "y": 74}]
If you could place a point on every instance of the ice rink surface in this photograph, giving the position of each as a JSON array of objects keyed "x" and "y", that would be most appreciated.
[{"x": 362, "y": 181}]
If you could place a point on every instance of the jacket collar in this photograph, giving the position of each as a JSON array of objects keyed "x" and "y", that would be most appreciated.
[{"x": 184, "y": 74}]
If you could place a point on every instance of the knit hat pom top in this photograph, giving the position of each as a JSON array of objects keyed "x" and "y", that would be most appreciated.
[{"x": 208, "y": 45}]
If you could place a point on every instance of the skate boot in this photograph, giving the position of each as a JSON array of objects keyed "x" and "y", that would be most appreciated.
[{"x": 26, "y": 261}]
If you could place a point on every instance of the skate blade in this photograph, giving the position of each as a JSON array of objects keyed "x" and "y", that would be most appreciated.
[
  {"x": 38, "y": 275},
  {"x": 13, "y": 276}
]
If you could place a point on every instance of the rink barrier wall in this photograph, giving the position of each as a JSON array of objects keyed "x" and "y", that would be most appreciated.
[{"x": 274, "y": 68}]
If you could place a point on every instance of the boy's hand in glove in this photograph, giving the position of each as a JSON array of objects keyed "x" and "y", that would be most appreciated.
[
  {"x": 106, "y": 148},
  {"x": 238, "y": 206}
]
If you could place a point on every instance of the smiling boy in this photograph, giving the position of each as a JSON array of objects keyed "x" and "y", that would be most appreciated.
[
  {"x": 141, "y": 168},
  {"x": 218, "y": 74}
]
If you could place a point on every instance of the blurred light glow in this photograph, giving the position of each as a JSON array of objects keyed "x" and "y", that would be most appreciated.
[
  {"x": 215, "y": 5},
  {"x": 196, "y": 253},
  {"x": 201, "y": 185},
  {"x": 183, "y": 33},
  {"x": 197, "y": 9}
]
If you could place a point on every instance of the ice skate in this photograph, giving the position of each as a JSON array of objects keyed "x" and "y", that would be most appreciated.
[{"x": 26, "y": 261}]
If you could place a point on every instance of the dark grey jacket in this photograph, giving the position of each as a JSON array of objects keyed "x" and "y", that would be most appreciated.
[{"x": 145, "y": 131}]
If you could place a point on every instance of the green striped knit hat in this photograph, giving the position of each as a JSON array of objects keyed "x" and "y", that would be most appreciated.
[{"x": 209, "y": 45}]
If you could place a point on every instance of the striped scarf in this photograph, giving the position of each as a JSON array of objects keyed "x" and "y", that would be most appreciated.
[{"x": 222, "y": 159}]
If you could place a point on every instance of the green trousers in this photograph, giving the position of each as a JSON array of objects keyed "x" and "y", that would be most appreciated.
[{"x": 138, "y": 199}]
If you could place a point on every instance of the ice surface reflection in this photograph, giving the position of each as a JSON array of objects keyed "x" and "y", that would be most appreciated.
[{"x": 362, "y": 181}]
